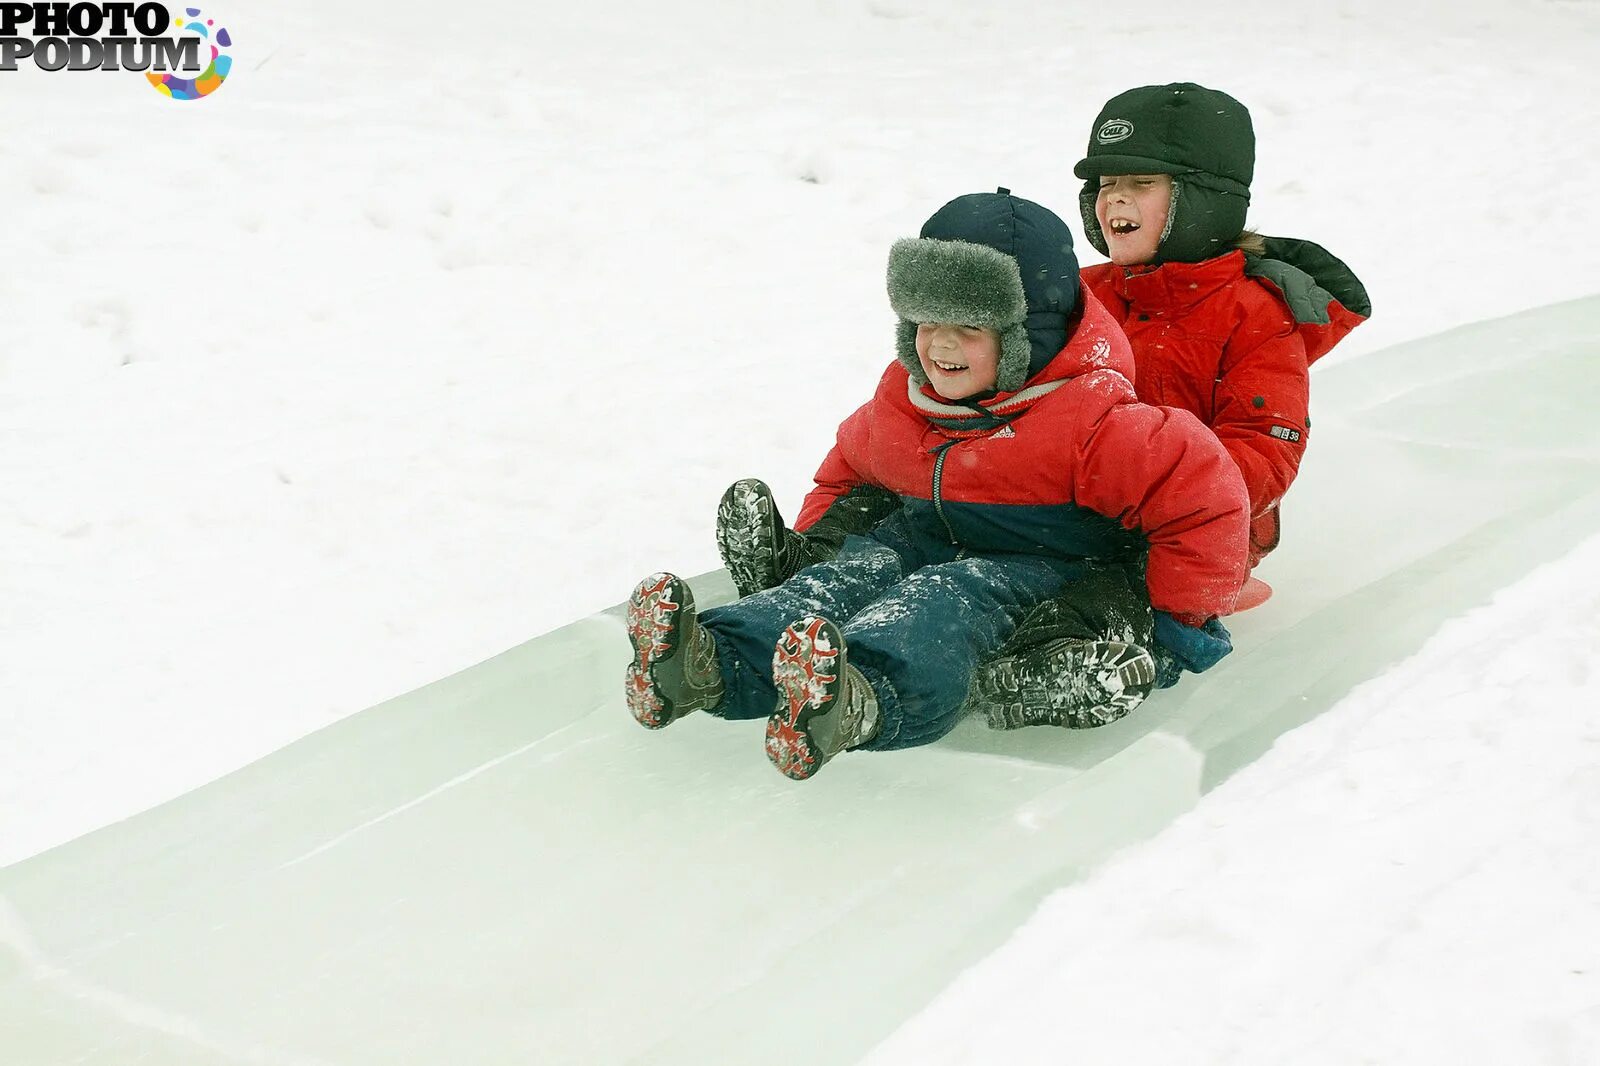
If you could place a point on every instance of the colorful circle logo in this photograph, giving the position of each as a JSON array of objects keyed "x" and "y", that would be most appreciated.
[{"x": 216, "y": 71}]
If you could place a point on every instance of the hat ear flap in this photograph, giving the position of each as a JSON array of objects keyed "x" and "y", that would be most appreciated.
[
  {"x": 1087, "y": 197},
  {"x": 1203, "y": 222},
  {"x": 1166, "y": 248},
  {"x": 1014, "y": 367},
  {"x": 905, "y": 350}
]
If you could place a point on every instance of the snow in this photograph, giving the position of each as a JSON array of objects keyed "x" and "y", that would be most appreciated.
[
  {"x": 426, "y": 335},
  {"x": 1409, "y": 878}
]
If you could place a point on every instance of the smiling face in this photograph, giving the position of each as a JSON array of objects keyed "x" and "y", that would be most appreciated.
[
  {"x": 960, "y": 361},
  {"x": 1132, "y": 210}
]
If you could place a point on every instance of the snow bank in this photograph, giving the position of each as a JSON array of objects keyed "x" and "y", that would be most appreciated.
[{"x": 1410, "y": 878}]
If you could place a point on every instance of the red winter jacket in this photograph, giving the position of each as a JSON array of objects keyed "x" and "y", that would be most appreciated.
[
  {"x": 1223, "y": 344},
  {"x": 1067, "y": 466}
]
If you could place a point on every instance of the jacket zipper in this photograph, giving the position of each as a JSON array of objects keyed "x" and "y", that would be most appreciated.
[{"x": 940, "y": 453}]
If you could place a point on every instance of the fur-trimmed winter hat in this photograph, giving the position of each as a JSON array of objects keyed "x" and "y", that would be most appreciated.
[
  {"x": 1202, "y": 137},
  {"x": 992, "y": 260}
]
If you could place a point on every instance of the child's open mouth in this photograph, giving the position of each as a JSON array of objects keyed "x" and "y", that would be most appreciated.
[
  {"x": 948, "y": 368},
  {"x": 1122, "y": 226}
]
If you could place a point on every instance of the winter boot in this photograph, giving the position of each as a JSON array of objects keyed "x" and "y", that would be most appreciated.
[
  {"x": 752, "y": 538},
  {"x": 1075, "y": 683},
  {"x": 674, "y": 669},
  {"x": 824, "y": 704},
  {"x": 761, "y": 552}
]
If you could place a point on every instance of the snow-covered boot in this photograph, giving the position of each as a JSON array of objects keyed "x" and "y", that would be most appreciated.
[
  {"x": 824, "y": 704},
  {"x": 1075, "y": 683},
  {"x": 752, "y": 538},
  {"x": 674, "y": 669},
  {"x": 760, "y": 551}
]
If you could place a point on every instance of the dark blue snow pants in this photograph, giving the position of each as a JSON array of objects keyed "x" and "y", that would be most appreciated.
[{"x": 916, "y": 620}]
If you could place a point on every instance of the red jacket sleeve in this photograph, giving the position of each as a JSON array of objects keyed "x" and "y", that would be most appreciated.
[
  {"x": 1158, "y": 470},
  {"x": 835, "y": 476},
  {"x": 1262, "y": 399}
]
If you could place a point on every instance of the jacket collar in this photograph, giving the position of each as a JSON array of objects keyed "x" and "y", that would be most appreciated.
[
  {"x": 962, "y": 420},
  {"x": 1176, "y": 287}
]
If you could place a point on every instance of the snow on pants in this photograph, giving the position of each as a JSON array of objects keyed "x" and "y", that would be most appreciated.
[{"x": 916, "y": 621}]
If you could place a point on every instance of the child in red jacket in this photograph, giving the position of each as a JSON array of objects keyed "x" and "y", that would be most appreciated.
[
  {"x": 1012, "y": 437},
  {"x": 1223, "y": 323}
]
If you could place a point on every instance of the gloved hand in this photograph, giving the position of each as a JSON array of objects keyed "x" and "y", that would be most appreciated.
[{"x": 1192, "y": 648}]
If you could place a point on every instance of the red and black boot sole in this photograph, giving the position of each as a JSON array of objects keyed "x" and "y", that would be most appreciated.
[
  {"x": 808, "y": 668},
  {"x": 659, "y": 691}
]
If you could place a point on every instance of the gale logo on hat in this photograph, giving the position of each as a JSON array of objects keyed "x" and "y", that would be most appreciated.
[
  {"x": 1113, "y": 130},
  {"x": 118, "y": 36}
]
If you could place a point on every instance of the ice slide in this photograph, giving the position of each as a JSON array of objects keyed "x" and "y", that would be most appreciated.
[{"x": 503, "y": 868}]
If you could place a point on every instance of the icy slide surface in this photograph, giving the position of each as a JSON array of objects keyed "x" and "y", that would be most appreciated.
[{"x": 503, "y": 868}]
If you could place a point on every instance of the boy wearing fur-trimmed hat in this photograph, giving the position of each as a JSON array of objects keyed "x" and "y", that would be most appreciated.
[{"x": 1010, "y": 434}]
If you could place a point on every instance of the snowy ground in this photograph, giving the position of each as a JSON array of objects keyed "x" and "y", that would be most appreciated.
[
  {"x": 419, "y": 339},
  {"x": 1410, "y": 878}
]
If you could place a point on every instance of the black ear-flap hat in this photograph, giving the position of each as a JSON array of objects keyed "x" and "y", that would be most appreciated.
[
  {"x": 992, "y": 260},
  {"x": 1202, "y": 137}
]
